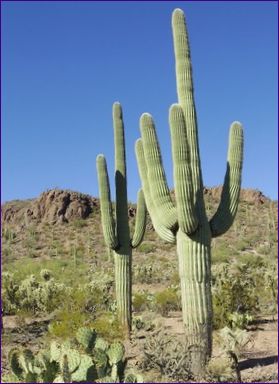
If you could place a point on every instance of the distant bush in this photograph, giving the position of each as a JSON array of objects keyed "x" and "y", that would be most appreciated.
[
  {"x": 150, "y": 272},
  {"x": 147, "y": 247},
  {"x": 8, "y": 234},
  {"x": 108, "y": 326},
  {"x": 79, "y": 223},
  {"x": 31, "y": 294},
  {"x": 166, "y": 301},
  {"x": 140, "y": 301}
]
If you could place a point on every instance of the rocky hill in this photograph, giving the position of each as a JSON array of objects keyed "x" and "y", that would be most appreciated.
[
  {"x": 61, "y": 206},
  {"x": 60, "y": 220},
  {"x": 61, "y": 231}
]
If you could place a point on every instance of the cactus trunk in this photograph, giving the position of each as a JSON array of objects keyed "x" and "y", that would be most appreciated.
[
  {"x": 116, "y": 231},
  {"x": 186, "y": 220},
  {"x": 195, "y": 280},
  {"x": 122, "y": 262}
]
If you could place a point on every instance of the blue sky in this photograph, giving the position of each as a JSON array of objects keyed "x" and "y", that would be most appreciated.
[{"x": 65, "y": 63}]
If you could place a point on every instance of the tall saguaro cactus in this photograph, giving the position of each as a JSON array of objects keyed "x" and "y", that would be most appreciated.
[
  {"x": 116, "y": 232},
  {"x": 186, "y": 222}
]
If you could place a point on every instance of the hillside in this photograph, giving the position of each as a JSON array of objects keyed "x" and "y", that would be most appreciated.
[
  {"x": 58, "y": 222},
  {"x": 61, "y": 231}
]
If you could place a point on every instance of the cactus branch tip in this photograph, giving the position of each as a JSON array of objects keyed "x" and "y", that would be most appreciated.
[
  {"x": 176, "y": 109},
  {"x": 101, "y": 157},
  {"x": 177, "y": 11},
  {"x": 236, "y": 124},
  {"x": 145, "y": 115},
  {"x": 117, "y": 109},
  {"x": 237, "y": 128},
  {"x": 138, "y": 144},
  {"x": 178, "y": 16}
]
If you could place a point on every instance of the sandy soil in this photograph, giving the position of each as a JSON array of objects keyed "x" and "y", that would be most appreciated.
[{"x": 259, "y": 364}]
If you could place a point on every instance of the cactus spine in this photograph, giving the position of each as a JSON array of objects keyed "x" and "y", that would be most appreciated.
[
  {"x": 117, "y": 234},
  {"x": 186, "y": 222}
]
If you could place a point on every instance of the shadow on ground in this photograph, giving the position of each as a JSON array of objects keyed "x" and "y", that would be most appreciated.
[{"x": 263, "y": 361}]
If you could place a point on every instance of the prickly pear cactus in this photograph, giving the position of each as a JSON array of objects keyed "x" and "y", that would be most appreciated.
[
  {"x": 186, "y": 222},
  {"x": 29, "y": 368},
  {"x": 71, "y": 362},
  {"x": 101, "y": 344},
  {"x": 101, "y": 362},
  {"x": 86, "y": 337},
  {"x": 116, "y": 354}
]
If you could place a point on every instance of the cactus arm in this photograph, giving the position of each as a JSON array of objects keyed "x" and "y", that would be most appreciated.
[
  {"x": 185, "y": 91},
  {"x": 140, "y": 220},
  {"x": 225, "y": 214},
  {"x": 165, "y": 233},
  {"x": 187, "y": 218},
  {"x": 105, "y": 202},
  {"x": 156, "y": 175},
  {"x": 122, "y": 226}
]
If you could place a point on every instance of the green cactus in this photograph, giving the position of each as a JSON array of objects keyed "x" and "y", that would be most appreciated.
[
  {"x": 101, "y": 344},
  {"x": 101, "y": 362},
  {"x": 116, "y": 354},
  {"x": 117, "y": 235},
  {"x": 74, "y": 365},
  {"x": 86, "y": 337},
  {"x": 29, "y": 368},
  {"x": 186, "y": 222},
  {"x": 71, "y": 361},
  {"x": 14, "y": 362}
]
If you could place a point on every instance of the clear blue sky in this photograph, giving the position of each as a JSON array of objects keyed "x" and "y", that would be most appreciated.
[{"x": 65, "y": 63}]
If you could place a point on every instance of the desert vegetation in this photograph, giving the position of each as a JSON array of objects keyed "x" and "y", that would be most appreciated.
[
  {"x": 79, "y": 307},
  {"x": 47, "y": 296}
]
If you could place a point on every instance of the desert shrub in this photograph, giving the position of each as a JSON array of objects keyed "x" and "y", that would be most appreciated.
[
  {"x": 221, "y": 253},
  {"x": 8, "y": 234},
  {"x": 233, "y": 342},
  {"x": 140, "y": 301},
  {"x": 61, "y": 270},
  {"x": 108, "y": 326},
  {"x": 80, "y": 306},
  {"x": 251, "y": 260},
  {"x": 271, "y": 285},
  {"x": 39, "y": 296},
  {"x": 144, "y": 322},
  {"x": 146, "y": 247},
  {"x": 67, "y": 323},
  {"x": 220, "y": 369},
  {"x": 10, "y": 298},
  {"x": 240, "y": 320},
  {"x": 167, "y": 354},
  {"x": 31, "y": 294},
  {"x": 143, "y": 273},
  {"x": 166, "y": 301},
  {"x": 234, "y": 290},
  {"x": 79, "y": 223},
  {"x": 264, "y": 249},
  {"x": 100, "y": 288},
  {"x": 150, "y": 271}
]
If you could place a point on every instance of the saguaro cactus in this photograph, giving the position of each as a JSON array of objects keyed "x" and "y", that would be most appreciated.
[
  {"x": 186, "y": 223},
  {"x": 117, "y": 235}
]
